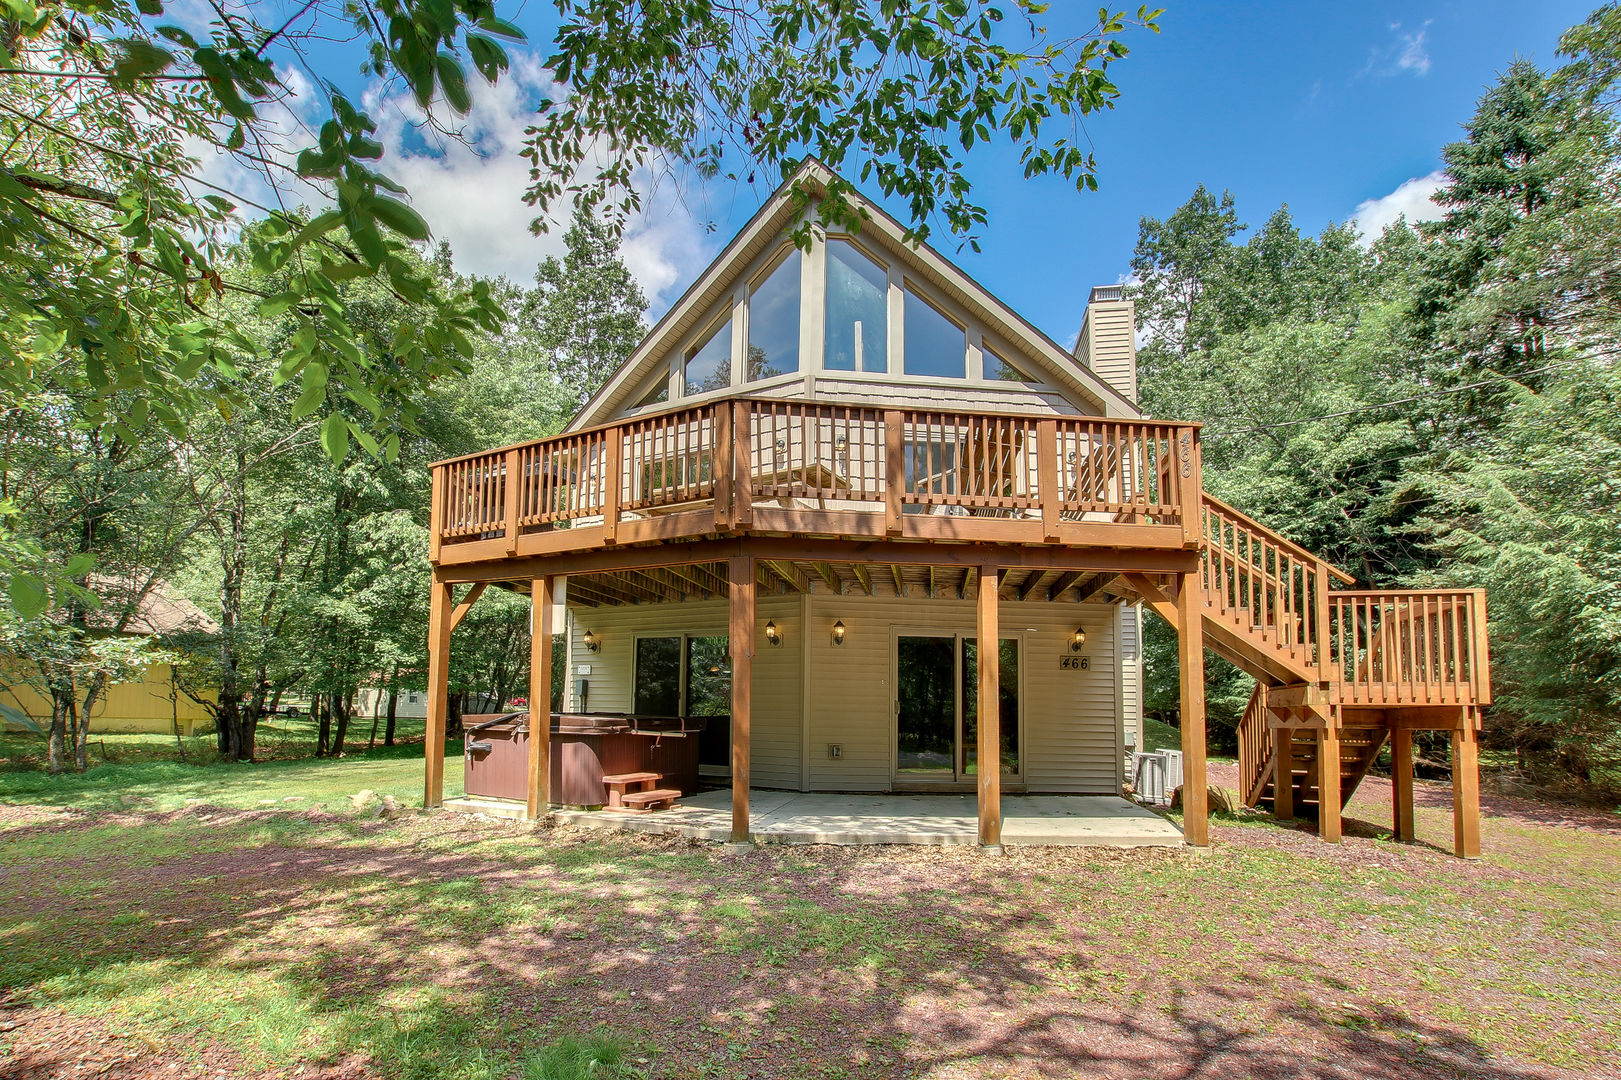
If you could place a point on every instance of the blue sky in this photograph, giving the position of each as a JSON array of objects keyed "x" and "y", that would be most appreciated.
[{"x": 1329, "y": 107}]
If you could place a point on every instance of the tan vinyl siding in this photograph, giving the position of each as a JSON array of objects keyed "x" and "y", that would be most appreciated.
[
  {"x": 776, "y": 731},
  {"x": 901, "y": 392},
  {"x": 1071, "y": 729},
  {"x": 1108, "y": 344},
  {"x": 1131, "y": 673}
]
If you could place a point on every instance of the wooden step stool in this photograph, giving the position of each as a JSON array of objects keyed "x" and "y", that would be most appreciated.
[{"x": 637, "y": 792}]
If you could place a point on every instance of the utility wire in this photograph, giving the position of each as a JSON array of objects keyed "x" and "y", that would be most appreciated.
[{"x": 1386, "y": 404}]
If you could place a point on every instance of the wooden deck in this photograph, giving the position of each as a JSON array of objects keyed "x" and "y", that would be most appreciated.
[
  {"x": 792, "y": 468},
  {"x": 744, "y": 494}
]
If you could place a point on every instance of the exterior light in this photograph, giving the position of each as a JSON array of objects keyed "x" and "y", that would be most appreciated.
[
  {"x": 1077, "y": 640},
  {"x": 841, "y": 442},
  {"x": 772, "y": 634},
  {"x": 838, "y": 632},
  {"x": 591, "y": 640}
]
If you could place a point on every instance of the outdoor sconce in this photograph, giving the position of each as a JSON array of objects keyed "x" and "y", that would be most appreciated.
[
  {"x": 1077, "y": 640},
  {"x": 591, "y": 640},
  {"x": 772, "y": 634},
  {"x": 838, "y": 632},
  {"x": 841, "y": 443}
]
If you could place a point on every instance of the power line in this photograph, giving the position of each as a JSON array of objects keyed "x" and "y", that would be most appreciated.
[{"x": 1385, "y": 404}]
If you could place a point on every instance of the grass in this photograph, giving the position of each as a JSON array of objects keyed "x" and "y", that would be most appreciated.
[
  {"x": 1158, "y": 736},
  {"x": 241, "y": 935},
  {"x": 144, "y": 771}
]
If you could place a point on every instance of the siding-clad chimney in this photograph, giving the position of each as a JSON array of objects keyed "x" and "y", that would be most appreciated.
[{"x": 1108, "y": 341}]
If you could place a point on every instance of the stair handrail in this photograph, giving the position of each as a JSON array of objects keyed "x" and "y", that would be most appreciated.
[
  {"x": 1277, "y": 539},
  {"x": 1256, "y": 746}
]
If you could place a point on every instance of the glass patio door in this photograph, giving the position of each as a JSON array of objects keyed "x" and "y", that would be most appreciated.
[{"x": 937, "y": 706}]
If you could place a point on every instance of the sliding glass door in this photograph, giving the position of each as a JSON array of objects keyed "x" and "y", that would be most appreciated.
[{"x": 937, "y": 708}]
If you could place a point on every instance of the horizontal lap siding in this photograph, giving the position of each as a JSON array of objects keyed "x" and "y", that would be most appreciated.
[
  {"x": 775, "y": 731},
  {"x": 1071, "y": 718},
  {"x": 912, "y": 395}
]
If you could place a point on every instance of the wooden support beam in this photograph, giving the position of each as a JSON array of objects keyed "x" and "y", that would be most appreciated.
[
  {"x": 1401, "y": 783},
  {"x": 1283, "y": 784},
  {"x": 825, "y": 572},
  {"x": 900, "y": 582},
  {"x": 989, "y": 765},
  {"x": 433, "y": 786},
  {"x": 740, "y": 642},
  {"x": 689, "y": 574},
  {"x": 459, "y": 612},
  {"x": 1028, "y": 586},
  {"x": 1098, "y": 583},
  {"x": 788, "y": 572},
  {"x": 541, "y": 597},
  {"x": 1190, "y": 655},
  {"x": 1328, "y": 783},
  {"x": 863, "y": 577},
  {"x": 967, "y": 584},
  {"x": 1466, "y": 792},
  {"x": 1064, "y": 581},
  {"x": 1163, "y": 605}
]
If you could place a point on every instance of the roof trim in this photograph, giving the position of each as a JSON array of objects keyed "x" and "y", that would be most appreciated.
[{"x": 776, "y": 213}]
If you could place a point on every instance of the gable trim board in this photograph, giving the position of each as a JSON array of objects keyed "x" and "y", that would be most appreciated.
[{"x": 744, "y": 258}]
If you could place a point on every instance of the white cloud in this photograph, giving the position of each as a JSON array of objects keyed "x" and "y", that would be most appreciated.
[
  {"x": 1406, "y": 53},
  {"x": 1412, "y": 199},
  {"x": 470, "y": 189}
]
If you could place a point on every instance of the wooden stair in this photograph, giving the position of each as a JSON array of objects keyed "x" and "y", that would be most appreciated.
[
  {"x": 1332, "y": 665},
  {"x": 638, "y": 792}
]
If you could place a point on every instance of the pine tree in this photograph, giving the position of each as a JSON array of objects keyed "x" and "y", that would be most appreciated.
[{"x": 586, "y": 309}]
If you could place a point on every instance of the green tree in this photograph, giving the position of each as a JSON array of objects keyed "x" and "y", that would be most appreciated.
[{"x": 586, "y": 309}]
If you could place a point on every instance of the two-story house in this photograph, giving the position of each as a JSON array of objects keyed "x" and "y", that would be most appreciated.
[{"x": 830, "y": 472}]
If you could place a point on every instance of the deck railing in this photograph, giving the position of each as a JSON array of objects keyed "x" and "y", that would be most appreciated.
[
  {"x": 1256, "y": 746},
  {"x": 733, "y": 454},
  {"x": 1410, "y": 647}
]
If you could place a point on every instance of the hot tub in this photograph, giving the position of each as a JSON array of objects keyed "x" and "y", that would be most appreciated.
[{"x": 584, "y": 749}]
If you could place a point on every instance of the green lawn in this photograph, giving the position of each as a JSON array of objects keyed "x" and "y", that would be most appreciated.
[
  {"x": 248, "y": 935},
  {"x": 145, "y": 771}
]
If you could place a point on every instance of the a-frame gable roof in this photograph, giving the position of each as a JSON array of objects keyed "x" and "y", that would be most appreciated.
[{"x": 768, "y": 227}]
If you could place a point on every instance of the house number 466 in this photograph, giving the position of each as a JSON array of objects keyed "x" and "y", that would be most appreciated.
[{"x": 1075, "y": 663}]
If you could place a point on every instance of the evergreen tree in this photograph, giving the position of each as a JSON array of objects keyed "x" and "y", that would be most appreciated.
[{"x": 586, "y": 308}]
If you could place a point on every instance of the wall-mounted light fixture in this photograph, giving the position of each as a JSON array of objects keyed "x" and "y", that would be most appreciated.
[
  {"x": 592, "y": 641},
  {"x": 838, "y": 632},
  {"x": 1077, "y": 640},
  {"x": 772, "y": 634},
  {"x": 841, "y": 443}
]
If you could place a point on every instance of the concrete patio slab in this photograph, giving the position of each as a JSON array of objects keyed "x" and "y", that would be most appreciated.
[{"x": 785, "y": 817}]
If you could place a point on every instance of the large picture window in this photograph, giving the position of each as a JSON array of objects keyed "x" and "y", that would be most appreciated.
[
  {"x": 774, "y": 322},
  {"x": 709, "y": 366},
  {"x": 934, "y": 344},
  {"x": 683, "y": 675},
  {"x": 857, "y": 311}
]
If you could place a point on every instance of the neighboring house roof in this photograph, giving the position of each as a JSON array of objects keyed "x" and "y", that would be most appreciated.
[
  {"x": 766, "y": 228},
  {"x": 158, "y": 612}
]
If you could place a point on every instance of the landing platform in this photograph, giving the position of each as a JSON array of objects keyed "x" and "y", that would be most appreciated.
[{"x": 783, "y": 817}]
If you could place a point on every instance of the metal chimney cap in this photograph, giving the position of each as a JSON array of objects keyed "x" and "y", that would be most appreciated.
[{"x": 1106, "y": 292}]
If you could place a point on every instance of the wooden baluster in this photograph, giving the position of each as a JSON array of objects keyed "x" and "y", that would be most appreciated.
[
  {"x": 510, "y": 499},
  {"x": 1049, "y": 489}
]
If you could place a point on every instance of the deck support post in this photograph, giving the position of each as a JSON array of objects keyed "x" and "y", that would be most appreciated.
[
  {"x": 740, "y": 642},
  {"x": 439, "y": 609},
  {"x": 541, "y": 591},
  {"x": 1466, "y": 790},
  {"x": 1401, "y": 783},
  {"x": 1328, "y": 782},
  {"x": 1190, "y": 654},
  {"x": 989, "y": 751},
  {"x": 1283, "y": 787}
]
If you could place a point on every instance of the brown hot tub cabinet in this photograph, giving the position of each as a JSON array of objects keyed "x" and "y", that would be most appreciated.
[{"x": 584, "y": 749}]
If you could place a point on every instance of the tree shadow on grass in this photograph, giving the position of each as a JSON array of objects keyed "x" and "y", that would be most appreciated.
[{"x": 462, "y": 953}]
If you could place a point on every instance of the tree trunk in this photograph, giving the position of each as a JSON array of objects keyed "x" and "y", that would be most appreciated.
[
  {"x": 342, "y": 704},
  {"x": 321, "y": 704},
  {"x": 393, "y": 706},
  {"x": 61, "y": 706}
]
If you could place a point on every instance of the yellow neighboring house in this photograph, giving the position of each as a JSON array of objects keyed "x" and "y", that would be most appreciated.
[{"x": 151, "y": 705}]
